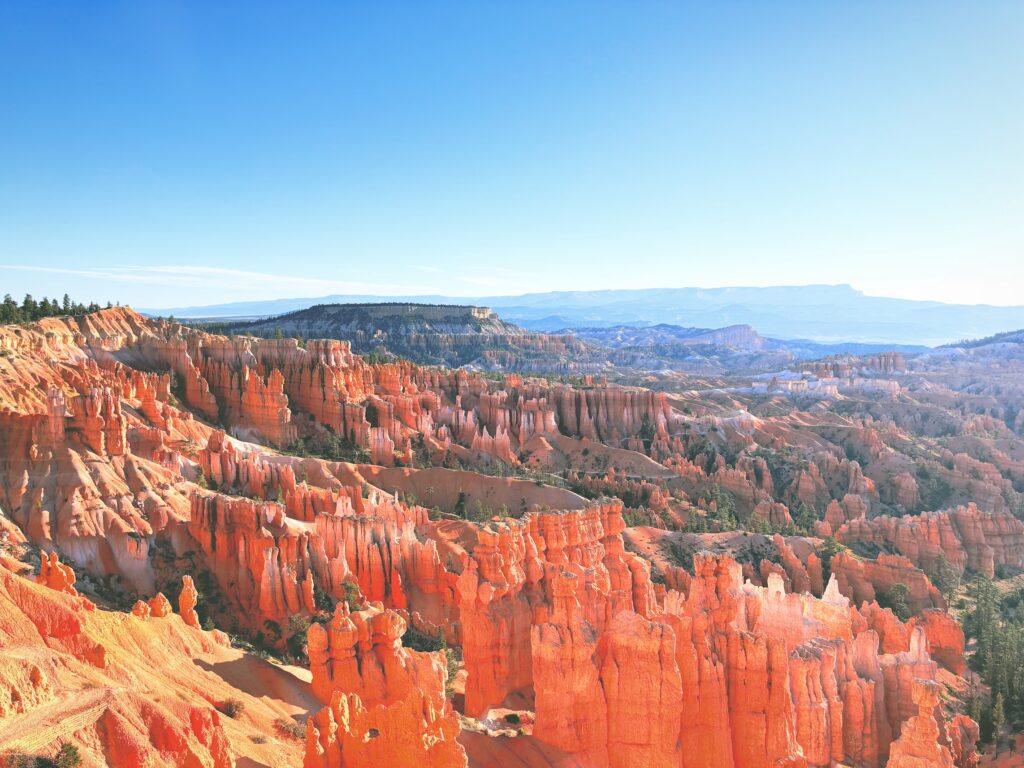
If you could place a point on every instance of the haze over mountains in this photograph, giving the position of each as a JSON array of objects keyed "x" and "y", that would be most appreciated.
[
  {"x": 822, "y": 313},
  {"x": 458, "y": 335}
]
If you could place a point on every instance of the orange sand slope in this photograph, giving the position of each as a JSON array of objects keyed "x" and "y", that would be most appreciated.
[{"x": 135, "y": 691}]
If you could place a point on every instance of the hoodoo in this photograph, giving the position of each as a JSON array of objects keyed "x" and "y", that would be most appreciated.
[{"x": 450, "y": 567}]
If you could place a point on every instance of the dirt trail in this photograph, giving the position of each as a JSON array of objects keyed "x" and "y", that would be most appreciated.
[{"x": 56, "y": 721}]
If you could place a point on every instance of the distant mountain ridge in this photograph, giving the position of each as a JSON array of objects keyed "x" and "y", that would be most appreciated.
[
  {"x": 817, "y": 313},
  {"x": 431, "y": 334},
  {"x": 1009, "y": 337},
  {"x": 470, "y": 336},
  {"x": 663, "y": 338}
]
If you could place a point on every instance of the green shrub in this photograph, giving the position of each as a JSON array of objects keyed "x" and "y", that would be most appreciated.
[
  {"x": 67, "y": 757},
  {"x": 896, "y": 600}
]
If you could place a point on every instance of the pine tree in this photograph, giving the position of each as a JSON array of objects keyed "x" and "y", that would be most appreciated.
[
  {"x": 9, "y": 312},
  {"x": 998, "y": 720},
  {"x": 805, "y": 517},
  {"x": 29, "y": 308},
  {"x": 945, "y": 577}
]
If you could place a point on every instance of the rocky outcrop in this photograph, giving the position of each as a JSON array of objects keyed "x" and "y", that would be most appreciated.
[
  {"x": 514, "y": 575},
  {"x": 610, "y": 703},
  {"x": 754, "y": 676},
  {"x": 109, "y": 459},
  {"x": 187, "y": 601},
  {"x": 865, "y": 580},
  {"x": 272, "y": 566},
  {"x": 386, "y": 704},
  {"x": 945, "y": 639},
  {"x": 432, "y": 335},
  {"x": 965, "y": 537},
  {"x": 55, "y": 575},
  {"x": 77, "y": 674},
  {"x": 255, "y": 555},
  {"x": 919, "y": 743},
  {"x": 159, "y": 606}
]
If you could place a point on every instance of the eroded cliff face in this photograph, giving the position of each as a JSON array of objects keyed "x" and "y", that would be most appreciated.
[
  {"x": 386, "y": 705},
  {"x": 964, "y": 537},
  {"x": 728, "y": 674},
  {"x": 142, "y": 453}
]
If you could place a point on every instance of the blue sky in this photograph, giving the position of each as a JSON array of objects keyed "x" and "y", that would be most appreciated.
[{"x": 166, "y": 154}]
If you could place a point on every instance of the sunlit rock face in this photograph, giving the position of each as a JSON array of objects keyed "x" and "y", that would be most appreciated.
[
  {"x": 97, "y": 679},
  {"x": 158, "y": 462},
  {"x": 386, "y": 705}
]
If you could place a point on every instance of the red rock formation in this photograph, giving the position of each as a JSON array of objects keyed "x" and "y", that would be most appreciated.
[
  {"x": 256, "y": 556},
  {"x": 945, "y": 639},
  {"x": 387, "y": 704},
  {"x": 59, "y": 687},
  {"x": 270, "y": 565},
  {"x": 965, "y": 537},
  {"x": 187, "y": 602},
  {"x": 97, "y": 462},
  {"x": 757, "y": 677},
  {"x": 512, "y": 576},
  {"x": 863, "y": 580},
  {"x": 918, "y": 745},
  {"x": 56, "y": 575},
  {"x": 159, "y": 606}
]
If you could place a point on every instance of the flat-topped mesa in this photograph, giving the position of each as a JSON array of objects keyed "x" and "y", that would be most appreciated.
[
  {"x": 425, "y": 311},
  {"x": 432, "y": 334},
  {"x": 965, "y": 537},
  {"x": 386, "y": 703}
]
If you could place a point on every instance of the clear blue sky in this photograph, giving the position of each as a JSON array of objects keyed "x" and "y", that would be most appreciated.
[{"x": 166, "y": 154}]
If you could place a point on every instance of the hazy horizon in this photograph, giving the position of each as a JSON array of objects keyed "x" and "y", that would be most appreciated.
[
  {"x": 275, "y": 294},
  {"x": 514, "y": 294}
]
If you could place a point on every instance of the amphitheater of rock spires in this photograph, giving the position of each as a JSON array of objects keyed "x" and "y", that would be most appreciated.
[{"x": 505, "y": 572}]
